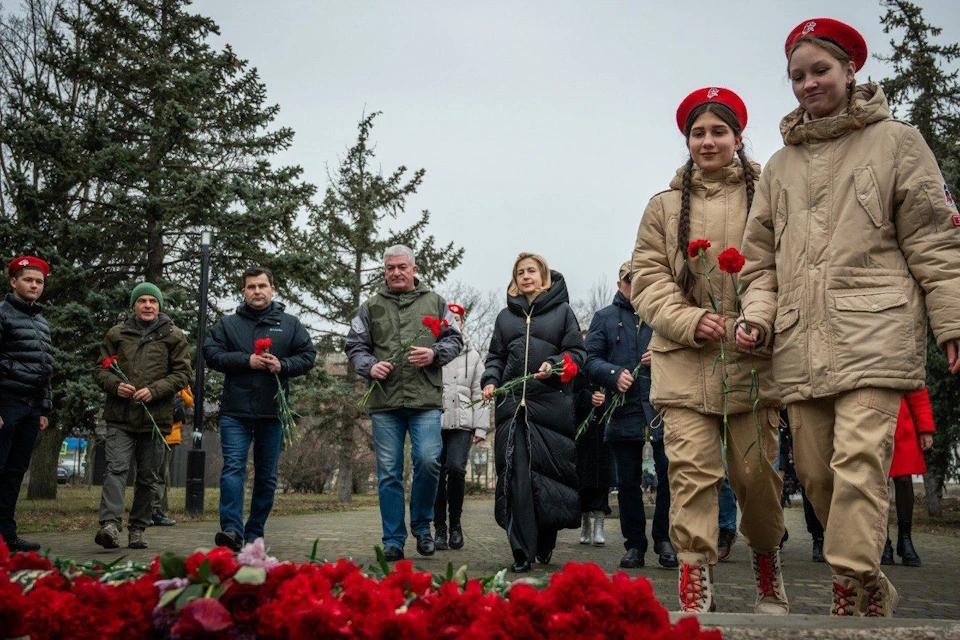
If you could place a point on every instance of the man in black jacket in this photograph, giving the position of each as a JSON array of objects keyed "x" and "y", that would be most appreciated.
[
  {"x": 618, "y": 361},
  {"x": 26, "y": 365},
  {"x": 248, "y": 408}
]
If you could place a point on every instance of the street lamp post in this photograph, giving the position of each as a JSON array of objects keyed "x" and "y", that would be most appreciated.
[{"x": 196, "y": 457}]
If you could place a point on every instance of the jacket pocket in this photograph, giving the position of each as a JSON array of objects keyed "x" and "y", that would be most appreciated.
[
  {"x": 785, "y": 319},
  {"x": 867, "y": 194},
  {"x": 865, "y": 326},
  {"x": 870, "y": 302}
]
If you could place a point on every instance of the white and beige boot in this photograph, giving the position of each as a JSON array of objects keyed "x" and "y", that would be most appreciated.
[
  {"x": 599, "y": 539},
  {"x": 696, "y": 588},
  {"x": 586, "y": 529},
  {"x": 845, "y": 597},
  {"x": 771, "y": 594},
  {"x": 878, "y": 600}
]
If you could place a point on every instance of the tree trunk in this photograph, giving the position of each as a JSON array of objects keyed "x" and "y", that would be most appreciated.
[
  {"x": 347, "y": 442},
  {"x": 931, "y": 490},
  {"x": 43, "y": 465}
]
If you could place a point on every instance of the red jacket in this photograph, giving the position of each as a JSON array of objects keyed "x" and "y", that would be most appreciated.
[{"x": 916, "y": 417}]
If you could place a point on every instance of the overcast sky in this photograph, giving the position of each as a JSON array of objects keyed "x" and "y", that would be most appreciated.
[{"x": 543, "y": 126}]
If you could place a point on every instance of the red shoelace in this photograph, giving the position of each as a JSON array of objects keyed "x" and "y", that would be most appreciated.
[
  {"x": 691, "y": 587},
  {"x": 766, "y": 569},
  {"x": 843, "y": 600}
]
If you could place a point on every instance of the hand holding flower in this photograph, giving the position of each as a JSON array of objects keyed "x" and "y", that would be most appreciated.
[
  {"x": 421, "y": 356},
  {"x": 544, "y": 372},
  {"x": 712, "y": 326},
  {"x": 597, "y": 398},
  {"x": 488, "y": 392},
  {"x": 126, "y": 390},
  {"x": 624, "y": 381},
  {"x": 381, "y": 370},
  {"x": 143, "y": 395},
  {"x": 748, "y": 336}
]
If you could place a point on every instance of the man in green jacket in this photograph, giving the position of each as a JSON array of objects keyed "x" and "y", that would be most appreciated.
[
  {"x": 154, "y": 358},
  {"x": 400, "y": 339}
]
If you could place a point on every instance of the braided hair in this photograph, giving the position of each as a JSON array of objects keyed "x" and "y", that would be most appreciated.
[{"x": 686, "y": 279}]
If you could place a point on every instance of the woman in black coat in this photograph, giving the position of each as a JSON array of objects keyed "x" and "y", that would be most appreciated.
[{"x": 534, "y": 447}]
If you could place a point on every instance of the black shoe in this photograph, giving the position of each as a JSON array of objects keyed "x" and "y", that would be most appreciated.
[
  {"x": 887, "y": 557},
  {"x": 392, "y": 553},
  {"x": 440, "y": 541},
  {"x": 725, "y": 542},
  {"x": 229, "y": 539},
  {"x": 425, "y": 545},
  {"x": 520, "y": 566},
  {"x": 544, "y": 557},
  {"x": 160, "y": 519},
  {"x": 632, "y": 559},
  {"x": 456, "y": 537},
  {"x": 16, "y": 544},
  {"x": 783, "y": 540},
  {"x": 817, "y": 555},
  {"x": 666, "y": 553},
  {"x": 908, "y": 555}
]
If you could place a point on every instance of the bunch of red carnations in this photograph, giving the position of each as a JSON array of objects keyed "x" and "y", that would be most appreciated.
[{"x": 216, "y": 594}]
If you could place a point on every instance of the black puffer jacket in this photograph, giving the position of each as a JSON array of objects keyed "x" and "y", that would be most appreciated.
[
  {"x": 547, "y": 406},
  {"x": 249, "y": 393},
  {"x": 26, "y": 352}
]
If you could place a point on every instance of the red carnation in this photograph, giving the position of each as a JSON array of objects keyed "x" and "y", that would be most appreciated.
[
  {"x": 222, "y": 563},
  {"x": 696, "y": 246},
  {"x": 262, "y": 346},
  {"x": 569, "y": 371},
  {"x": 203, "y": 618},
  {"x": 242, "y": 601},
  {"x": 731, "y": 260},
  {"x": 109, "y": 360},
  {"x": 435, "y": 325}
]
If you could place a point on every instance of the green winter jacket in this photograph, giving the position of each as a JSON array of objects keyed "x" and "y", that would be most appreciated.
[
  {"x": 158, "y": 360},
  {"x": 383, "y": 324}
]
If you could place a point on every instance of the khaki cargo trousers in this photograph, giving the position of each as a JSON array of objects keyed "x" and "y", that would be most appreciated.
[
  {"x": 842, "y": 449},
  {"x": 693, "y": 443}
]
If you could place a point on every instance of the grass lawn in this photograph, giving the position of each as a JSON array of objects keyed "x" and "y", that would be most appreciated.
[
  {"x": 77, "y": 507},
  {"x": 947, "y": 524}
]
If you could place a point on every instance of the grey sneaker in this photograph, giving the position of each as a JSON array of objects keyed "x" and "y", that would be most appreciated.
[
  {"x": 108, "y": 537},
  {"x": 135, "y": 539}
]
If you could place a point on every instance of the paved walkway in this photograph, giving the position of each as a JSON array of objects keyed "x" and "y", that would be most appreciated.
[{"x": 928, "y": 592}]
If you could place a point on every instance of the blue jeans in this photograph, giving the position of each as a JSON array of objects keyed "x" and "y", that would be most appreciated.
[
  {"x": 389, "y": 433},
  {"x": 728, "y": 506},
  {"x": 235, "y": 437}
]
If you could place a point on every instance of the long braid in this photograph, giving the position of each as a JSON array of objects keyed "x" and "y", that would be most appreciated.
[
  {"x": 749, "y": 175},
  {"x": 686, "y": 279}
]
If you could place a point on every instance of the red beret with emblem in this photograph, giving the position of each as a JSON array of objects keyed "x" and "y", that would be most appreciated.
[
  {"x": 28, "y": 261},
  {"x": 839, "y": 33},
  {"x": 711, "y": 94},
  {"x": 456, "y": 308}
]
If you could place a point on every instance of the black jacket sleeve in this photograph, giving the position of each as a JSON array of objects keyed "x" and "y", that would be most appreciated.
[
  {"x": 496, "y": 360},
  {"x": 302, "y": 353},
  {"x": 220, "y": 355}
]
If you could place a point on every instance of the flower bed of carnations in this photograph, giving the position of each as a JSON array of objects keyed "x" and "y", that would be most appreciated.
[{"x": 217, "y": 594}]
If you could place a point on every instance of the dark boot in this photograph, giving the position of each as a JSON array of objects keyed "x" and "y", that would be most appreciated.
[
  {"x": 456, "y": 536},
  {"x": 908, "y": 555},
  {"x": 887, "y": 557},
  {"x": 441, "y": 538},
  {"x": 817, "y": 554}
]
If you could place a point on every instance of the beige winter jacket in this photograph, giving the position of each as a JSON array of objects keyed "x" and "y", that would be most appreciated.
[
  {"x": 851, "y": 232},
  {"x": 683, "y": 371}
]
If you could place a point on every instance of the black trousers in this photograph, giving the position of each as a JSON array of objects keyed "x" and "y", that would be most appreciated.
[
  {"x": 633, "y": 520},
  {"x": 21, "y": 426},
  {"x": 453, "y": 473},
  {"x": 814, "y": 528},
  {"x": 527, "y": 539}
]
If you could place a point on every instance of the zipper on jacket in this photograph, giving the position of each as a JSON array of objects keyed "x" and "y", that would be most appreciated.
[{"x": 526, "y": 360}]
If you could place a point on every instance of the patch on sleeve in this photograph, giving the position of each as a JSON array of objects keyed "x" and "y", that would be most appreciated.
[{"x": 948, "y": 197}]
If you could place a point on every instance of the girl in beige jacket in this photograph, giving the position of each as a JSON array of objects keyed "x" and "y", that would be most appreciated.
[
  {"x": 708, "y": 199},
  {"x": 852, "y": 244}
]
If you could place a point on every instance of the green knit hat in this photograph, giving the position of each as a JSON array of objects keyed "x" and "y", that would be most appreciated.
[{"x": 146, "y": 289}]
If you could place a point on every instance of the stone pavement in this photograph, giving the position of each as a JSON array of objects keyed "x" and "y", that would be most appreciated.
[{"x": 928, "y": 593}]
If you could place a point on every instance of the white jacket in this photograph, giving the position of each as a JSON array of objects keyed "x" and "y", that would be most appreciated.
[{"x": 461, "y": 384}]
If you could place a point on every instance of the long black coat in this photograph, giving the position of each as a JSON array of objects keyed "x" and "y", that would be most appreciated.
[
  {"x": 594, "y": 458},
  {"x": 546, "y": 406}
]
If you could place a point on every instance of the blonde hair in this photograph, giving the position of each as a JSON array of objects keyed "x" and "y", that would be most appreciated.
[{"x": 544, "y": 268}]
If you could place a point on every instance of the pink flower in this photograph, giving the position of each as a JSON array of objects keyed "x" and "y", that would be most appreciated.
[{"x": 254, "y": 554}]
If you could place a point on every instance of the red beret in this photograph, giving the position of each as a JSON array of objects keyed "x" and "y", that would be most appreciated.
[
  {"x": 840, "y": 33},
  {"x": 711, "y": 94},
  {"x": 28, "y": 261},
  {"x": 456, "y": 308}
]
